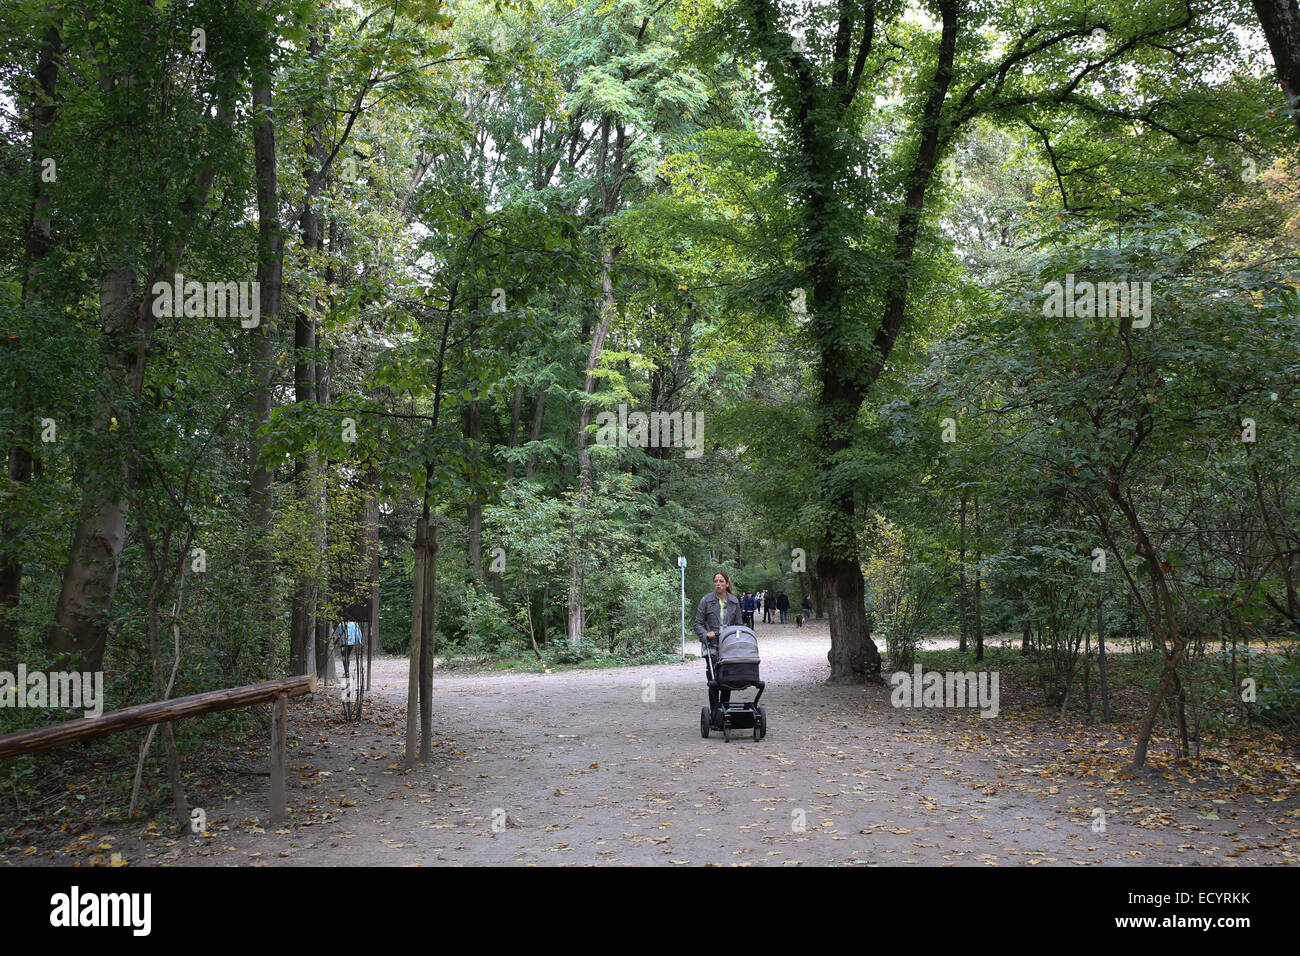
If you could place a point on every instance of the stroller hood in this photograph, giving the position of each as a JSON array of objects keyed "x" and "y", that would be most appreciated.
[{"x": 738, "y": 646}]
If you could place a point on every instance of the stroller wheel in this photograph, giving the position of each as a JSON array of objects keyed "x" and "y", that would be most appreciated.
[
  {"x": 726, "y": 730},
  {"x": 761, "y": 723},
  {"x": 758, "y": 732},
  {"x": 704, "y": 722}
]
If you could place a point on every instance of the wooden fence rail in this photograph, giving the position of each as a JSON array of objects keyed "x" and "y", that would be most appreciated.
[{"x": 209, "y": 702}]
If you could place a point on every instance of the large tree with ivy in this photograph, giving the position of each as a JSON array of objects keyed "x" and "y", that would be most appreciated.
[{"x": 866, "y": 100}]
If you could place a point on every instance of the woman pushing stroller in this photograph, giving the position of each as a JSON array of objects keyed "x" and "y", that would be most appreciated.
[
  {"x": 710, "y": 620},
  {"x": 731, "y": 663}
]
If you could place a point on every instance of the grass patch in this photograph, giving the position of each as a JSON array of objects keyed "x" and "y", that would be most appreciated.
[
  {"x": 996, "y": 658},
  {"x": 556, "y": 659}
]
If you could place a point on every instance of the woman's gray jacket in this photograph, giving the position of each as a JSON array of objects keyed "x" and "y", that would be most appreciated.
[{"x": 707, "y": 617}]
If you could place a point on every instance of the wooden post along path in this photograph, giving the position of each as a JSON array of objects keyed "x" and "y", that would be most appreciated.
[
  {"x": 279, "y": 710},
  {"x": 229, "y": 698}
]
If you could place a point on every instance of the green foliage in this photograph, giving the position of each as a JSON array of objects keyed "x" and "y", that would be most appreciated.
[
  {"x": 901, "y": 584},
  {"x": 649, "y": 612},
  {"x": 824, "y": 259},
  {"x": 487, "y": 631}
]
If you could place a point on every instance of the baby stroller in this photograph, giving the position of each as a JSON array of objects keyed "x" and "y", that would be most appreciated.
[{"x": 733, "y": 664}]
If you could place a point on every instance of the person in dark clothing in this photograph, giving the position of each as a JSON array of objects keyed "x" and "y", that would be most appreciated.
[
  {"x": 747, "y": 607},
  {"x": 710, "y": 619},
  {"x": 348, "y": 636},
  {"x": 807, "y": 608},
  {"x": 782, "y": 605}
]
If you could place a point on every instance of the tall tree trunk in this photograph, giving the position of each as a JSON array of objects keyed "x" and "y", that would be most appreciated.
[
  {"x": 846, "y": 609},
  {"x": 820, "y": 113},
  {"x": 656, "y": 388},
  {"x": 609, "y": 202},
  {"x": 44, "y": 109},
  {"x": 539, "y": 411},
  {"x": 79, "y": 632},
  {"x": 1281, "y": 22},
  {"x": 79, "y": 629},
  {"x": 1101, "y": 660},
  {"x": 1286, "y": 555},
  {"x": 270, "y": 272},
  {"x": 473, "y": 431},
  {"x": 308, "y": 472},
  {"x": 979, "y": 582},
  {"x": 512, "y": 440},
  {"x": 853, "y": 654},
  {"x": 961, "y": 573},
  {"x": 414, "y": 663},
  {"x": 302, "y": 618},
  {"x": 372, "y": 553},
  {"x": 546, "y": 609},
  {"x": 324, "y": 654},
  {"x": 420, "y": 686},
  {"x": 428, "y": 626},
  {"x": 1165, "y": 633},
  {"x": 161, "y": 576}
]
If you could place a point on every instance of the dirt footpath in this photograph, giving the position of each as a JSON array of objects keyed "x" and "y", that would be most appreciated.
[{"x": 583, "y": 767}]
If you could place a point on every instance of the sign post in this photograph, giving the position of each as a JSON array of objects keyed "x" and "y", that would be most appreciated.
[{"x": 681, "y": 563}]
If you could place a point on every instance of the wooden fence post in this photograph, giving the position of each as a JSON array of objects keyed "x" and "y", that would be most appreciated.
[
  {"x": 1101, "y": 659},
  {"x": 165, "y": 711},
  {"x": 279, "y": 713},
  {"x": 417, "y": 611},
  {"x": 142, "y": 715}
]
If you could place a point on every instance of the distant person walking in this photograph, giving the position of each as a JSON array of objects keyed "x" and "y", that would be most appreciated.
[
  {"x": 807, "y": 608},
  {"x": 747, "y": 606},
  {"x": 348, "y": 634},
  {"x": 783, "y": 605}
]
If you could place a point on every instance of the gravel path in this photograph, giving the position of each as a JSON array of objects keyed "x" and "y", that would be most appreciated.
[{"x": 582, "y": 767}]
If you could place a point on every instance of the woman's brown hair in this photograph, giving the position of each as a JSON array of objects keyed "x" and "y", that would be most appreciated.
[{"x": 726, "y": 577}]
